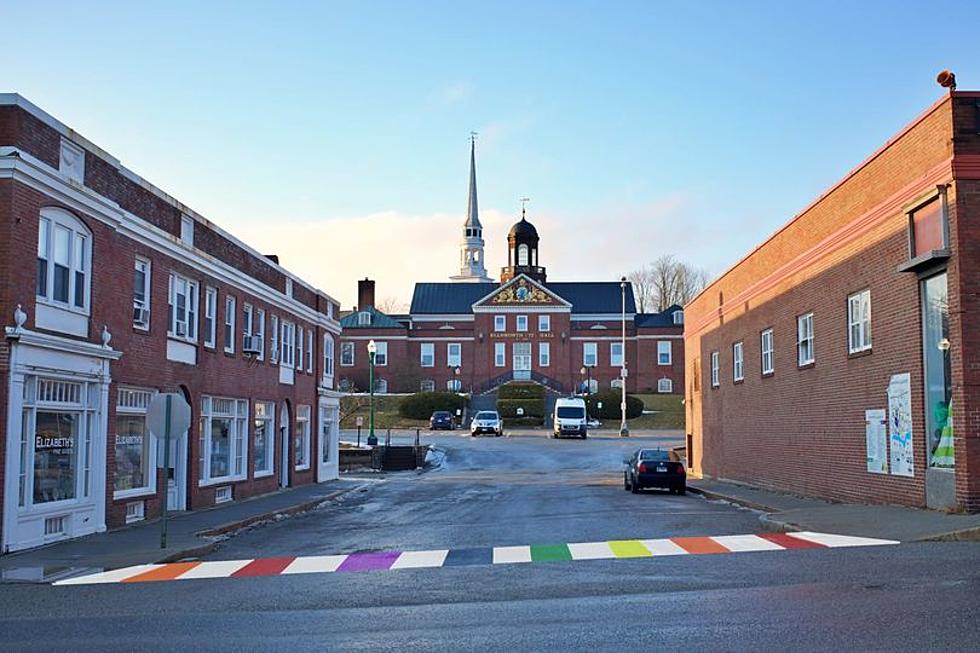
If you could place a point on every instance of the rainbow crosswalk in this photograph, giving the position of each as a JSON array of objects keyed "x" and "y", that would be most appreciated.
[{"x": 500, "y": 555}]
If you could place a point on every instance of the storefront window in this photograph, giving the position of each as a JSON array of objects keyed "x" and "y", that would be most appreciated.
[
  {"x": 936, "y": 345},
  {"x": 263, "y": 435},
  {"x": 223, "y": 439},
  {"x": 132, "y": 452},
  {"x": 220, "y": 446},
  {"x": 55, "y": 456}
]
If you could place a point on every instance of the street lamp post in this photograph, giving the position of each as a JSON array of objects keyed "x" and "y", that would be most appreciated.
[
  {"x": 372, "y": 350},
  {"x": 623, "y": 431},
  {"x": 587, "y": 370}
]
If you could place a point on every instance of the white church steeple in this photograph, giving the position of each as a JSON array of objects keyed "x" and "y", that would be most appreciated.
[{"x": 472, "y": 267}]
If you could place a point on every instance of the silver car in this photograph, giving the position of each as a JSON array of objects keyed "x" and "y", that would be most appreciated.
[{"x": 487, "y": 421}]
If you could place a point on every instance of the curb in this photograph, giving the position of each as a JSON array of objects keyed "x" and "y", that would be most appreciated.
[
  {"x": 964, "y": 535},
  {"x": 230, "y": 527},
  {"x": 767, "y": 519}
]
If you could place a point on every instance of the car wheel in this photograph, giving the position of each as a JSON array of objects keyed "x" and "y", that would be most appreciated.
[
  {"x": 682, "y": 489},
  {"x": 634, "y": 488},
  {"x": 626, "y": 482}
]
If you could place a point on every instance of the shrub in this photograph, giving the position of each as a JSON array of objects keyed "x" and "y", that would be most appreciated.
[
  {"x": 532, "y": 408},
  {"x": 421, "y": 405},
  {"x": 520, "y": 391},
  {"x": 610, "y": 399}
]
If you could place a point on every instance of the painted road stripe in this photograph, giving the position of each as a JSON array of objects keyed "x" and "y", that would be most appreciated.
[
  {"x": 385, "y": 560},
  {"x": 509, "y": 554},
  {"x": 739, "y": 543},
  {"x": 590, "y": 551},
  {"x": 629, "y": 549},
  {"x": 214, "y": 569},
  {"x": 419, "y": 559},
  {"x": 314, "y": 565}
]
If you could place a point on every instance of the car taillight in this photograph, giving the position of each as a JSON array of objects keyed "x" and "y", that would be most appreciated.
[
  {"x": 642, "y": 468},
  {"x": 680, "y": 469}
]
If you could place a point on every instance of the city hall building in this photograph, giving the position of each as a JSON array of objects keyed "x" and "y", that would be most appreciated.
[
  {"x": 471, "y": 333},
  {"x": 131, "y": 293},
  {"x": 840, "y": 358}
]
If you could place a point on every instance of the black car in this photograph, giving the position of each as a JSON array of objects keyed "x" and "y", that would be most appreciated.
[
  {"x": 655, "y": 468},
  {"x": 442, "y": 419}
]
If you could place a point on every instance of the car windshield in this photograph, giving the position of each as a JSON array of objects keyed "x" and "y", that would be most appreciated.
[
  {"x": 486, "y": 414},
  {"x": 653, "y": 454},
  {"x": 571, "y": 412}
]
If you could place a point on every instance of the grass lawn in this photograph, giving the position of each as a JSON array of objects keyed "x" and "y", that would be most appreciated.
[
  {"x": 385, "y": 414},
  {"x": 669, "y": 415}
]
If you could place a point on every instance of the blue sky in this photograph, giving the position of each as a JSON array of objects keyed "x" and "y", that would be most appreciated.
[{"x": 336, "y": 134}]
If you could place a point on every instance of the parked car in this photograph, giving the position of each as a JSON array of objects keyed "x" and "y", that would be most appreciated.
[
  {"x": 569, "y": 418},
  {"x": 487, "y": 421},
  {"x": 654, "y": 468},
  {"x": 442, "y": 419}
]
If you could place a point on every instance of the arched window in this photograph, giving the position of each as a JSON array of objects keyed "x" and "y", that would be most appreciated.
[
  {"x": 522, "y": 255},
  {"x": 665, "y": 385},
  {"x": 64, "y": 259}
]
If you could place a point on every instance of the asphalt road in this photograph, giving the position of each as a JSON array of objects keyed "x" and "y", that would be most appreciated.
[{"x": 517, "y": 491}]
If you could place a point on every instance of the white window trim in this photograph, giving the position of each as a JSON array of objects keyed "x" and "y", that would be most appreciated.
[
  {"x": 299, "y": 349},
  {"x": 287, "y": 343},
  {"x": 274, "y": 339},
  {"x": 381, "y": 353},
  {"x": 303, "y": 430},
  {"x": 544, "y": 354},
  {"x": 187, "y": 230},
  {"x": 229, "y": 332},
  {"x": 670, "y": 353},
  {"x": 190, "y": 308},
  {"x": 55, "y": 217},
  {"x": 248, "y": 322},
  {"x": 500, "y": 354},
  {"x": 145, "y": 304},
  {"x": 586, "y": 348},
  {"x": 151, "y": 487},
  {"x": 350, "y": 346},
  {"x": 260, "y": 333},
  {"x": 270, "y": 450},
  {"x": 544, "y": 323},
  {"x": 612, "y": 354},
  {"x": 860, "y": 300},
  {"x": 519, "y": 320},
  {"x": 328, "y": 359},
  {"x": 669, "y": 385},
  {"x": 431, "y": 348},
  {"x": 454, "y": 360},
  {"x": 767, "y": 347},
  {"x": 801, "y": 337},
  {"x": 309, "y": 351},
  {"x": 715, "y": 369},
  {"x": 241, "y": 420},
  {"x": 211, "y": 313},
  {"x": 499, "y": 322},
  {"x": 738, "y": 361}
]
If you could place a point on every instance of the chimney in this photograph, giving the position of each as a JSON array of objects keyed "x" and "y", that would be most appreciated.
[{"x": 365, "y": 293}]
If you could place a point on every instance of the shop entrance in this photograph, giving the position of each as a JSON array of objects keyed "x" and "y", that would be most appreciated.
[
  {"x": 284, "y": 444},
  {"x": 940, "y": 458}
]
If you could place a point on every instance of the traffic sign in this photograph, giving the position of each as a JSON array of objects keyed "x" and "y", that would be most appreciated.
[
  {"x": 360, "y": 421},
  {"x": 180, "y": 415}
]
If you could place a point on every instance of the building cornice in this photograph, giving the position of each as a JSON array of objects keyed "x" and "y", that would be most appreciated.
[{"x": 60, "y": 344}]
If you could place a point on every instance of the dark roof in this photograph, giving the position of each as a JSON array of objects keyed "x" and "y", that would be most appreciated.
[
  {"x": 661, "y": 319},
  {"x": 584, "y": 296},
  {"x": 378, "y": 320},
  {"x": 524, "y": 230}
]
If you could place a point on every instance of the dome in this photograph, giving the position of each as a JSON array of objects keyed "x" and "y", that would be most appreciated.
[{"x": 523, "y": 230}]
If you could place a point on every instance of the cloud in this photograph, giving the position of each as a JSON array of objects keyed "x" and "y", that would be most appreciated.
[{"x": 454, "y": 93}]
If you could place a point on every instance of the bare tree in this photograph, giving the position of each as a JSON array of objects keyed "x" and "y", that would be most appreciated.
[
  {"x": 666, "y": 282},
  {"x": 391, "y": 305}
]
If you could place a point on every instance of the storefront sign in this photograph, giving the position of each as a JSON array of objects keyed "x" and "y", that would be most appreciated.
[
  {"x": 900, "y": 425},
  {"x": 42, "y": 442},
  {"x": 876, "y": 437},
  {"x": 522, "y": 335}
]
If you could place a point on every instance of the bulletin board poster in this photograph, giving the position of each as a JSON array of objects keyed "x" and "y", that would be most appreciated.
[
  {"x": 900, "y": 424},
  {"x": 876, "y": 434}
]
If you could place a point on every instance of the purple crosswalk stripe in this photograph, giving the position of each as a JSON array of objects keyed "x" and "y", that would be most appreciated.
[{"x": 373, "y": 561}]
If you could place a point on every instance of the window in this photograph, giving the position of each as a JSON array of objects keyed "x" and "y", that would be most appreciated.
[
  {"x": 544, "y": 323},
  {"x": 522, "y": 255},
  {"x": 616, "y": 354},
  {"x": 381, "y": 357},
  {"x": 859, "y": 322},
  {"x": 347, "y": 354},
  {"x": 289, "y": 287},
  {"x": 364, "y": 318},
  {"x": 183, "y": 308},
  {"x": 187, "y": 230},
  {"x": 259, "y": 340},
  {"x": 678, "y": 319},
  {"x": 299, "y": 348},
  {"x": 664, "y": 354},
  {"x": 804, "y": 339},
  {"x": 309, "y": 351},
  {"x": 71, "y": 161},
  {"x": 264, "y": 437},
  {"x": 428, "y": 354},
  {"x": 230, "y": 324},
  {"x": 274, "y": 341},
  {"x": 141, "y": 294},
  {"x": 63, "y": 260},
  {"x": 522, "y": 322},
  {"x": 715, "y": 367},
  {"x": 738, "y": 372},
  {"x": 222, "y": 439},
  {"x": 381, "y": 385},
  {"x": 287, "y": 339},
  {"x": 500, "y": 354},
  {"x": 454, "y": 354},
  {"x": 302, "y": 440},
  {"x": 928, "y": 227},
  {"x": 247, "y": 326},
  {"x": 135, "y": 453},
  {"x": 454, "y": 385},
  {"x": 499, "y": 322},
  {"x": 544, "y": 354},
  {"x": 590, "y": 354},
  {"x": 427, "y": 385},
  {"x": 665, "y": 385},
  {"x": 327, "y": 356},
  {"x": 768, "y": 363},
  {"x": 210, "y": 315}
]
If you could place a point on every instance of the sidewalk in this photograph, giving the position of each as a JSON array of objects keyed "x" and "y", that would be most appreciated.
[
  {"x": 189, "y": 534},
  {"x": 788, "y": 512}
]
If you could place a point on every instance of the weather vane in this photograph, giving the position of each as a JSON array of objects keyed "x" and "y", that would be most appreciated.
[
  {"x": 473, "y": 137},
  {"x": 524, "y": 201}
]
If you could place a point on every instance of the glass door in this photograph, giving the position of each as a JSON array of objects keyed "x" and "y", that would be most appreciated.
[
  {"x": 936, "y": 351},
  {"x": 522, "y": 360}
]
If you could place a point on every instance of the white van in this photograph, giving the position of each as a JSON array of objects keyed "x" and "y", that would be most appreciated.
[{"x": 570, "y": 417}]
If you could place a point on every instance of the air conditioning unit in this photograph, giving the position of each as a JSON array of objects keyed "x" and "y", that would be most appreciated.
[
  {"x": 252, "y": 345},
  {"x": 141, "y": 315},
  {"x": 180, "y": 329}
]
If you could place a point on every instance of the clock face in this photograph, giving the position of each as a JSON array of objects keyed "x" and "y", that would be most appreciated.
[{"x": 522, "y": 293}]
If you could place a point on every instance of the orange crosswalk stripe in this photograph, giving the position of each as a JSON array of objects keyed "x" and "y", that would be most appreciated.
[
  {"x": 698, "y": 545},
  {"x": 166, "y": 572}
]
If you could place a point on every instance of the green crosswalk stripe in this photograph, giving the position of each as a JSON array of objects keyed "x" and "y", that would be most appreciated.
[{"x": 545, "y": 552}]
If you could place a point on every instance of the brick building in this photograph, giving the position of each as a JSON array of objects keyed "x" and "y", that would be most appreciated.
[
  {"x": 132, "y": 293},
  {"x": 829, "y": 360},
  {"x": 472, "y": 334}
]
